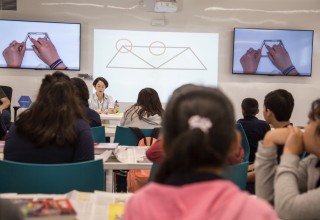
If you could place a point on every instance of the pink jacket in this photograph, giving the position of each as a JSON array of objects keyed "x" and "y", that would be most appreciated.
[{"x": 218, "y": 199}]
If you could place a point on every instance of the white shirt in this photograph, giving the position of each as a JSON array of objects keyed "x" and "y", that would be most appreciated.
[{"x": 106, "y": 103}]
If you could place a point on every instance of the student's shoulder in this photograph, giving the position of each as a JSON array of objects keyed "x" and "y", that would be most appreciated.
[
  {"x": 92, "y": 112},
  {"x": 81, "y": 124}
]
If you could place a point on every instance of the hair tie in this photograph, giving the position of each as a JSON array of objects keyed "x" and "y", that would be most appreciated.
[{"x": 203, "y": 123}]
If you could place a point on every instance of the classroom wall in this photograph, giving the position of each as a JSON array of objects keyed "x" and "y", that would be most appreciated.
[{"x": 218, "y": 16}]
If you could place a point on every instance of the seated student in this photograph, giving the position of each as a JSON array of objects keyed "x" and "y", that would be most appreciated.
[
  {"x": 53, "y": 129},
  {"x": 254, "y": 128},
  {"x": 293, "y": 185},
  {"x": 82, "y": 91},
  {"x": 146, "y": 113},
  {"x": 4, "y": 112},
  {"x": 198, "y": 136},
  {"x": 277, "y": 110}
]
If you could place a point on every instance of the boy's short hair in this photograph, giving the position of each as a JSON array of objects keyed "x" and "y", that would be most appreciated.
[
  {"x": 281, "y": 103},
  {"x": 249, "y": 106}
]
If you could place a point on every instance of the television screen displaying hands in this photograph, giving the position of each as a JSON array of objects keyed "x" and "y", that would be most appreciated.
[
  {"x": 40, "y": 45},
  {"x": 272, "y": 52},
  {"x": 278, "y": 56}
]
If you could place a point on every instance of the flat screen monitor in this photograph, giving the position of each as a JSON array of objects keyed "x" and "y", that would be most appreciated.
[
  {"x": 272, "y": 52},
  {"x": 53, "y": 41}
]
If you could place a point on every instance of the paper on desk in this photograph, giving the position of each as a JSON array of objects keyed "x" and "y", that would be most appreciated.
[
  {"x": 106, "y": 146},
  {"x": 129, "y": 154},
  {"x": 108, "y": 205},
  {"x": 82, "y": 203},
  {"x": 104, "y": 156}
]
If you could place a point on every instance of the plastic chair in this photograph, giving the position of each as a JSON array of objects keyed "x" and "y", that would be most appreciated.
[
  {"x": 125, "y": 136},
  {"x": 237, "y": 174},
  {"x": 245, "y": 142},
  {"x": 153, "y": 171},
  {"x": 98, "y": 134},
  {"x": 28, "y": 178}
]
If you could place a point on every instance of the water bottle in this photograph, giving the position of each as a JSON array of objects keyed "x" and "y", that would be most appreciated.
[{"x": 116, "y": 106}]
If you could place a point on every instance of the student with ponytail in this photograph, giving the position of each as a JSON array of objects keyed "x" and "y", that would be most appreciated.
[{"x": 198, "y": 136}]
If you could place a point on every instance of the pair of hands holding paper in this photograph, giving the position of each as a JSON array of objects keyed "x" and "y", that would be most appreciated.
[
  {"x": 43, "y": 47},
  {"x": 277, "y": 55}
]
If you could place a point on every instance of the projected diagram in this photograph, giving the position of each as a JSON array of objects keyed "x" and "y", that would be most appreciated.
[{"x": 156, "y": 56}]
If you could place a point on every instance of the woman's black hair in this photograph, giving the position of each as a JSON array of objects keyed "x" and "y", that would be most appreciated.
[
  {"x": 148, "y": 104},
  {"x": 189, "y": 148},
  {"x": 81, "y": 90},
  {"x": 105, "y": 82},
  {"x": 51, "y": 118}
]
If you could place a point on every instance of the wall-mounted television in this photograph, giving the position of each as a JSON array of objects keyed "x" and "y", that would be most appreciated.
[
  {"x": 40, "y": 45},
  {"x": 272, "y": 52}
]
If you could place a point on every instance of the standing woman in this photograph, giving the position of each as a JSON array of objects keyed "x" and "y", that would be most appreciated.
[
  {"x": 146, "y": 113},
  {"x": 53, "y": 130},
  {"x": 101, "y": 102}
]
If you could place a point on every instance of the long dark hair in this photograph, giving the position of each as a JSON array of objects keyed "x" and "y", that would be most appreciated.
[
  {"x": 51, "y": 118},
  {"x": 188, "y": 147},
  {"x": 81, "y": 90},
  {"x": 148, "y": 104}
]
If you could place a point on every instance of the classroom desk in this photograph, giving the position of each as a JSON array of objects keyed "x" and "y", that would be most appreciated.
[
  {"x": 112, "y": 164},
  {"x": 110, "y": 131},
  {"x": 116, "y": 117},
  {"x": 110, "y": 121}
]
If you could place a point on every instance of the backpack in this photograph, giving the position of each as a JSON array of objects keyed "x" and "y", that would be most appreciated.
[
  {"x": 138, "y": 178},
  {"x": 143, "y": 140}
]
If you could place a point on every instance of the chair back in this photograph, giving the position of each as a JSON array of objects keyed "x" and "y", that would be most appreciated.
[
  {"x": 8, "y": 91},
  {"x": 98, "y": 134},
  {"x": 245, "y": 143},
  {"x": 27, "y": 178},
  {"x": 237, "y": 174},
  {"x": 153, "y": 171},
  {"x": 125, "y": 136}
]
